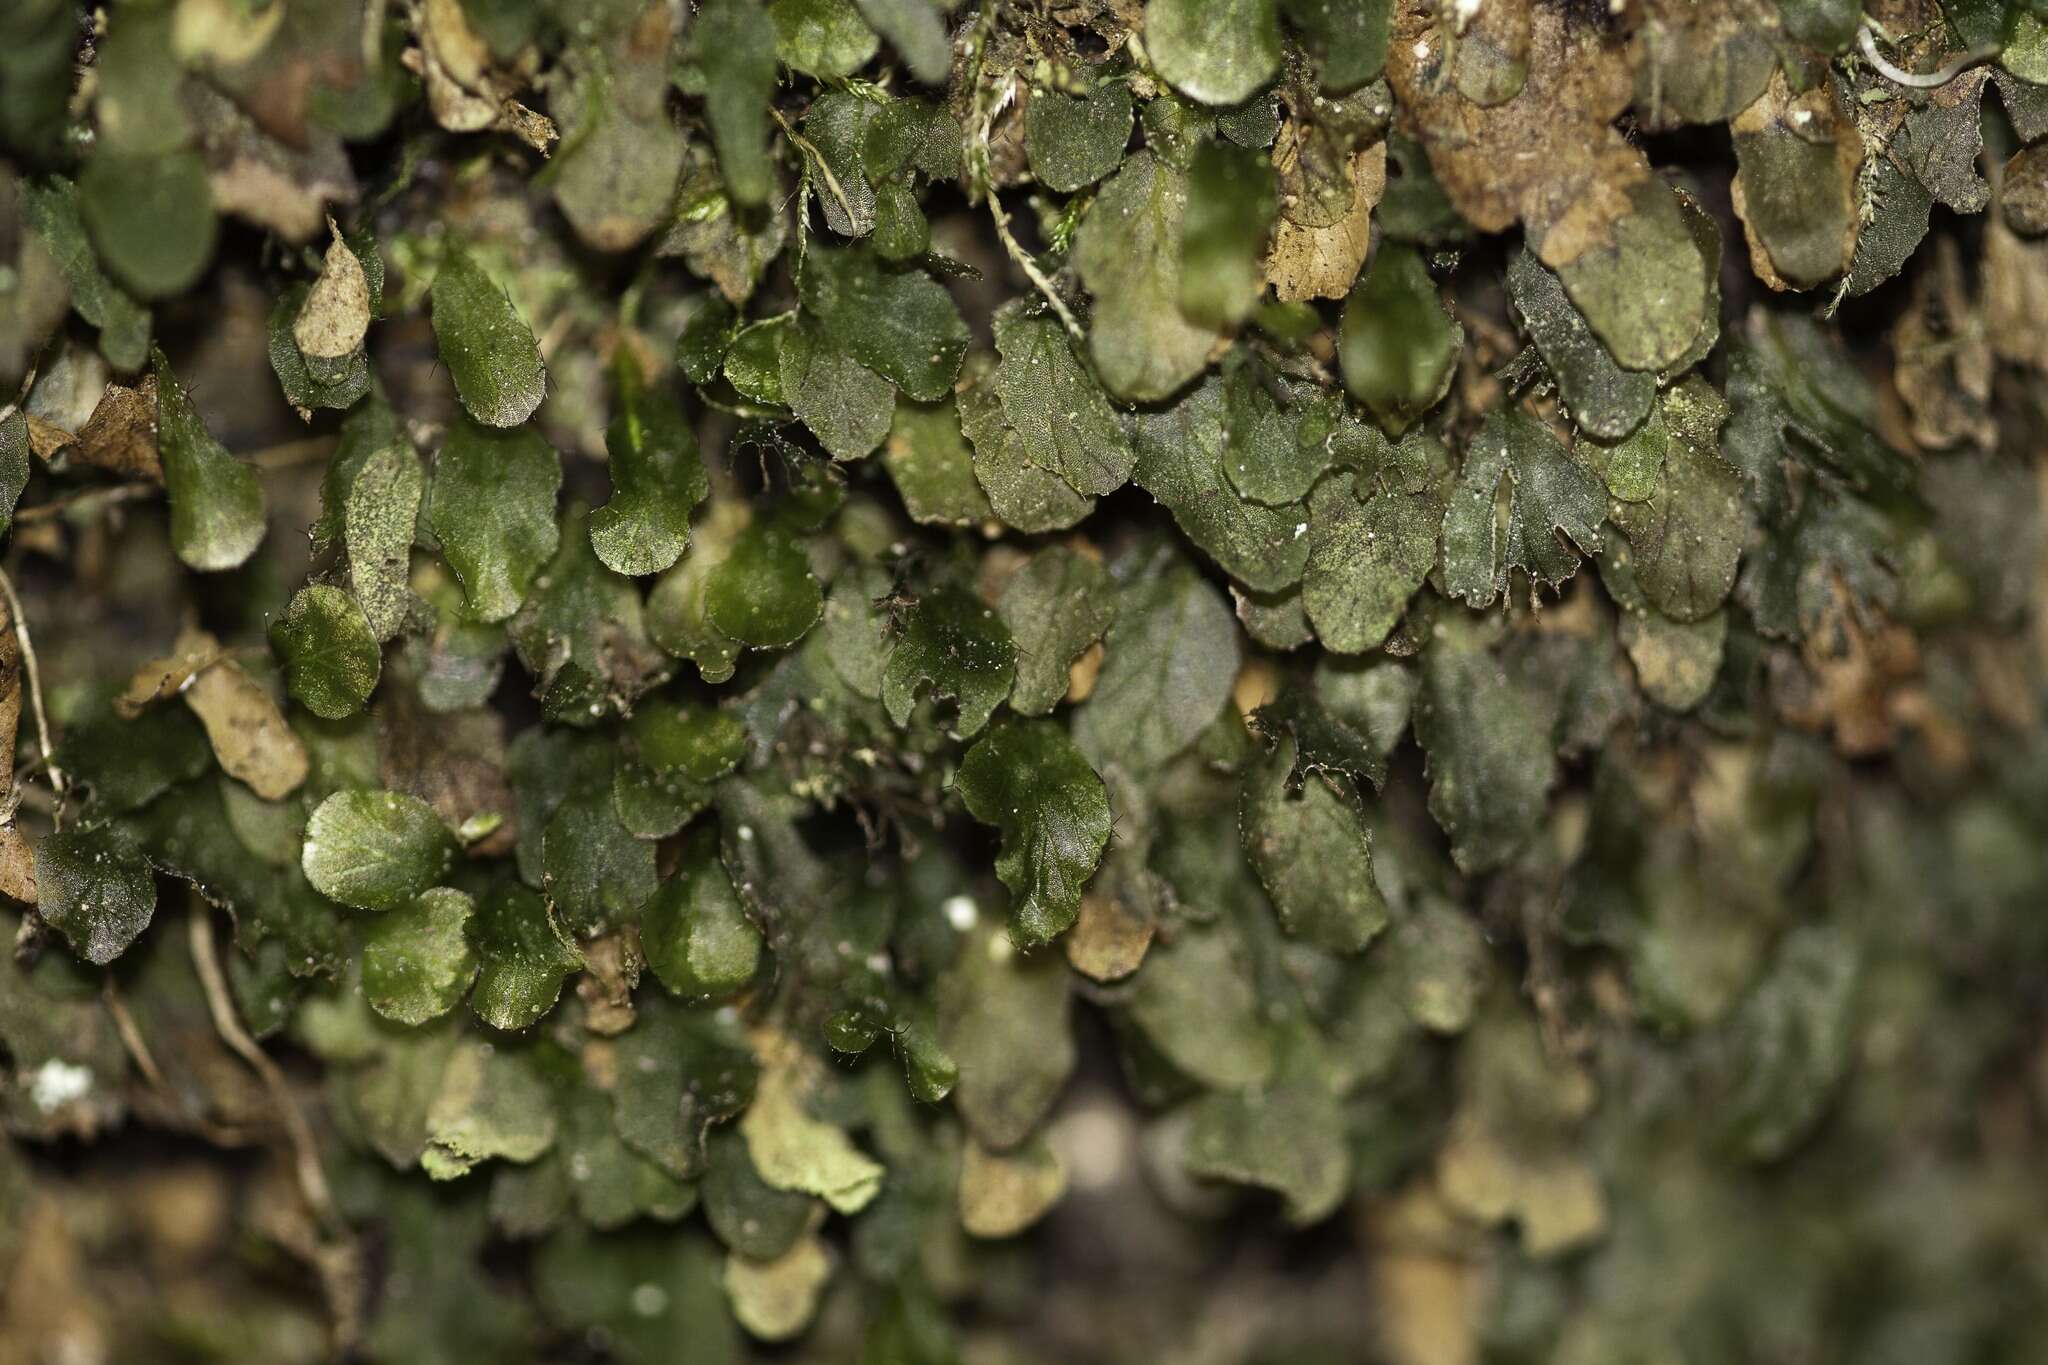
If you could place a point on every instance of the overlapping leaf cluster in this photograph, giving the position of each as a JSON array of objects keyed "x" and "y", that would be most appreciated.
[{"x": 883, "y": 673}]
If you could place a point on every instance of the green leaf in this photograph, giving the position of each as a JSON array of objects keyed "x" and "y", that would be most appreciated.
[
  {"x": 1184, "y": 460},
  {"x": 1604, "y": 400},
  {"x": 217, "y": 505},
  {"x": 899, "y": 323},
  {"x": 491, "y": 1104},
  {"x": 821, "y": 37},
  {"x": 524, "y": 957},
  {"x": 1004, "y": 1016},
  {"x": 847, "y": 406},
  {"x": 94, "y": 887},
  {"x": 335, "y": 385},
  {"x": 1196, "y": 1001},
  {"x": 695, "y": 932},
  {"x": 151, "y": 218},
  {"x": 1056, "y": 408},
  {"x": 124, "y": 324},
  {"x": 1129, "y": 256},
  {"x": 582, "y": 634},
  {"x": 753, "y": 363},
  {"x": 657, "y": 479},
  {"x": 1797, "y": 157},
  {"x": 129, "y": 763},
  {"x": 1233, "y": 197},
  {"x": 1551, "y": 493},
  {"x": 382, "y": 512},
  {"x": 917, "y": 30},
  {"x": 1789, "y": 1045},
  {"x": 417, "y": 960},
  {"x": 1346, "y": 39},
  {"x": 1169, "y": 663},
  {"x": 932, "y": 465},
  {"x": 1646, "y": 296},
  {"x": 960, "y": 645},
  {"x": 680, "y": 1071},
  {"x": 1307, "y": 843},
  {"x": 749, "y": 1215},
  {"x": 488, "y": 348},
  {"x": 1028, "y": 780},
  {"x": 1018, "y": 492},
  {"x": 1215, "y": 51},
  {"x": 1487, "y": 737},
  {"x": 615, "y": 179},
  {"x": 595, "y": 872},
  {"x": 1398, "y": 345},
  {"x": 836, "y": 126},
  {"x": 1687, "y": 536},
  {"x": 735, "y": 42},
  {"x": 331, "y": 660},
  {"x": 492, "y": 507},
  {"x": 1365, "y": 561},
  {"x": 1288, "y": 1136},
  {"x": 1056, "y": 606},
  {"x": 375, "y": 850},
  {"x": 1075, "y": 140},
  {"x": 763, "y": 592}
]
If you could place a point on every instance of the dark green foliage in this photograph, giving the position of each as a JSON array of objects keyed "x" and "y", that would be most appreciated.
[{"x": 899, "y": 681}]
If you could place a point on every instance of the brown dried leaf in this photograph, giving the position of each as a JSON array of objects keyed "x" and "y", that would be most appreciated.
[
  {"x": 163, "y": 678},
  {"x": 1109, "y": 939},
  {"x": 2023, "y": 190},
  {"x": 257, "y": 178},
  {"x": 17, "y": 865},
  {"x": 466, "y": 91},
  {"x": 1550, "y": 159},
  {"x": 120, "y": 436},
  {"x": 242, "y": 720},
  {"x": 2015, "y": 293},
  {"x": 336, "y": 314},
  {"x": 45, "y": 438},
  {"x": 1944, "y": 367},
  {"x": 1320, "y": 262},
  {"x": 1001, "y": 1194}
]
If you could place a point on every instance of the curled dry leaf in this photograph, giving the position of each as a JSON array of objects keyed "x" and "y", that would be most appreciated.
[
  {"x": 466, "y": 90},
  {"x": 1550, "y": 159},
  {"x": 1310, "y": 261},
  {"x": 120, "y": 436},
  {"x": 336, "y": 314},
  {"x": 242, "y": 720}
]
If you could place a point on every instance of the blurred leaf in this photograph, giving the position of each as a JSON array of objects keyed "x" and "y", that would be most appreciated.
[
  {"x": 492, "y": 507},
  {"x": 217, "y": 505},
  {"x": 1129, "y": 256},
  {"x": 1215, "y": 51}
]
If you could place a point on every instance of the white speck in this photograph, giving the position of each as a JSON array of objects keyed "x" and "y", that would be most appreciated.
[
  {"x": 746, "y": 833},
  {"x": 57, "y": 1083},
  {"x": 1422, "y": 49},
  {"x": 960, "y": 912},
  {"x": 650, "y": 1300},
  {"x": 1300, "y": 530},
  {"x": 1467, "y": 10}
]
